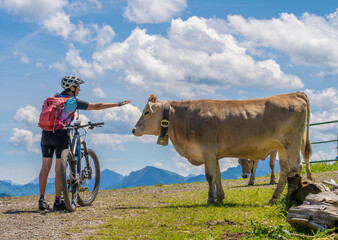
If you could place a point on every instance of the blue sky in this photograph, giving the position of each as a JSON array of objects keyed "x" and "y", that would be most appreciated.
[{"x": 176, "y": 49}]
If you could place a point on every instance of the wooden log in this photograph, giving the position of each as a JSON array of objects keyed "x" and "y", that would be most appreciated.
[
  {"x": 318, "y": 211},
  {"x": 332, "y": 183},
  {"x": 327, "y": 197}
]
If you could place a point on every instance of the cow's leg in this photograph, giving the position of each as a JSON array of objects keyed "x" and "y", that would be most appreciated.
[
  {"x": 210, "y": 174},
  {"x": 219, "y": 188},
  {"x": 272, "y": 166},
  {"x": 294, "y": 173},
  {"x": 284, "y": 170},
  {"x": 295, "y": 162},
  {"x": 253, "y": 173}
]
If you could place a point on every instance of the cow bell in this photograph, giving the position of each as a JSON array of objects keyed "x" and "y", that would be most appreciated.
[{"x": 163, "y": 140}]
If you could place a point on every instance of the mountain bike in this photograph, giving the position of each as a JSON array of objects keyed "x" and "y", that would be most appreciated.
[{"x": 80, "y": 168}]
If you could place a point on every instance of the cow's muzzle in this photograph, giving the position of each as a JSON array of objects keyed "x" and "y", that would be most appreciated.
[
  {"x": 136, "y": 132},
  {"x": 245, "y": 175}
]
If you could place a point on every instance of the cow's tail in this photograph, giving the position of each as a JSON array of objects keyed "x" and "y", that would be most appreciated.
[{"x": 308, "y": 148}]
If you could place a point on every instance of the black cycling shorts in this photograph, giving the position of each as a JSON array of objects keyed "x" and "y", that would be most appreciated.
[{"x": 51, "y": 142}]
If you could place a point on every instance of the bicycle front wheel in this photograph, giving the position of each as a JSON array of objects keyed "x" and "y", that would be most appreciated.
[
  {"x": 68, "y": 178},
  {"x": 90, "y": 178}
]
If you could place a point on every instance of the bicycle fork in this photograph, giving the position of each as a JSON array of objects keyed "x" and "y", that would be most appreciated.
[{"x": 85, "y": 172}]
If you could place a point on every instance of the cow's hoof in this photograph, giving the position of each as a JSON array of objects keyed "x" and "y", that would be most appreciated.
[
  {"x": 219, "y": 202},
  {"x": 272, "y": 182},
  {"x": 211, "y": 202},
  {"x": 251, "y": 183}
]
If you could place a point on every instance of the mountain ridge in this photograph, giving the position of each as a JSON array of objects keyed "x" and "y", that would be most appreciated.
[{"x": 146, "y": 176}]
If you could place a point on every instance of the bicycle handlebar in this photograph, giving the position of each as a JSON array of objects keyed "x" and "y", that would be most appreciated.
[{"x": 78, "y": 126}]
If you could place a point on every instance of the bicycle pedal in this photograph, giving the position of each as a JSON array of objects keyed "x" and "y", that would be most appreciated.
[{"x": 83, "y": 189}]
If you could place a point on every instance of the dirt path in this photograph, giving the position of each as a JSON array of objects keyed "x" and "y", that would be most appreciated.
[{"x": 21, "y": 219}]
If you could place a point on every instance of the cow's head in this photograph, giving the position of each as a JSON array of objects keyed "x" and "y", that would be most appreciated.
[
  {"x": 150, "y": 121},
  {"x": 247, "y": 166}
]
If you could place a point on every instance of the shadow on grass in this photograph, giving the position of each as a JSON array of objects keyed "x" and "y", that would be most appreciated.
[
  {"x": 254, "y": 186},
  {"x": 44, "y": 212},
  {"x": 187, "y": 206}
]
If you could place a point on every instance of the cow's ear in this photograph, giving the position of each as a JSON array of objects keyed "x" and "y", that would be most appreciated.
[{"x": 154, "y": 107}]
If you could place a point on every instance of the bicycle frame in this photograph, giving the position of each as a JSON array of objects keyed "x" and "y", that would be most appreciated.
[
  {"x": 75, "y": 148},
  {"x": 75, "y": 143}
]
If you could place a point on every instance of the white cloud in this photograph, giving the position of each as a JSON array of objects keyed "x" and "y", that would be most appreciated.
[
  {"x": 26, "y": 140},
  {"x": 197, "y": 58},
  {"x": 83, "y": 118},
  {"x": 23, "y": 58},
  {"x": 326, "y": 104},
  {"x": 59, "y": 24},
  {"x": 99, "y": 93},
  {"x": 326, "y": 99},
  {"x": 182, "y": 166},
  {"x": 53, "y": 17},
  {"x": 153, "y": 11},
  {"x": 81, "y": 6},
  {"x": 323, "y": 155},
  {"x": 81, "y": 34},
  {"x": 33, "y": 9},
  {"x": 28, "y": 114},
  {"x": 118, "y": 119},
  {"x": 105, "y": 35},
  {"x": 62, "y": 67},
  {"x": 308, "y": 40},
  {"x": 39, "y": 65},
  {"x": 227, "y": 163},
  {"x": 79, "y": 65},
  {"x": 116, "y": 141},
  {"x": 157, "y": 164}
]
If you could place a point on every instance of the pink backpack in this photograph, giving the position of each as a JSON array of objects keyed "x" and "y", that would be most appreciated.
[{"x": 51, "y": 111}]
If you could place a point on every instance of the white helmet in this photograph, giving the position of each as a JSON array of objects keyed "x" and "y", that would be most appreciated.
[{"x": 71, "y": 80}]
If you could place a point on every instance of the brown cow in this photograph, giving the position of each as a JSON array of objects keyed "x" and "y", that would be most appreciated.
[
  {"x": 204, "y": 131},
  {"x": 249, "y": 168}
]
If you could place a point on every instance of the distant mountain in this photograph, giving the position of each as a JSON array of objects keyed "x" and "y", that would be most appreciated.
[
  {"x": 144, "y": 177},
  {"x": 36, "y": 180},
  {"x": 263, "y": 168},
  {"x": 198, "y": 178},
  {"x": 109, "y": 178},
  {"x": 23, "y": 190},
  {"x": 149, "y": 176},
  {"x": 230, "y": 173},
  {"x": 4, "y": 195},
  {"x": 9, "y": 181}
]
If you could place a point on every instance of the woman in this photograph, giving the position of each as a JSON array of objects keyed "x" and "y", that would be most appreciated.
[{"x": 57, "y": 140}]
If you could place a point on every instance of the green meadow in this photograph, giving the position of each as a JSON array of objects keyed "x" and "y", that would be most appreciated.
[{"x": 180, "y": 211}]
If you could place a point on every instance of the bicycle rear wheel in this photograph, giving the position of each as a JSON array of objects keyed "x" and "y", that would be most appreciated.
[
  {"x": 90, "y": 178},
  {"x": 68, "y": 178}
]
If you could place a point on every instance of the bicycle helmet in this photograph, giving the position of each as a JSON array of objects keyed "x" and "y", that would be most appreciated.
[{"x": 71, "y": 80}]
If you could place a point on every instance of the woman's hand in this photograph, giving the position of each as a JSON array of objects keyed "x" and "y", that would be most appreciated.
[{"x": 120, "y": 104}]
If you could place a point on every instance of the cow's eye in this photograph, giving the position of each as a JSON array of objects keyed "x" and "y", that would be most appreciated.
[{"x": 146, "y": 113}]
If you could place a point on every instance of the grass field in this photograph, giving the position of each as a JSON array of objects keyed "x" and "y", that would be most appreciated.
[{"x": 180, "y": 212}]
